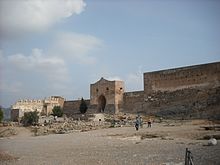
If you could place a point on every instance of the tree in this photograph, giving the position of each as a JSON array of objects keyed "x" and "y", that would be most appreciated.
[
  {"x": 57, "y": 111},
  {"x": 1, "y": 114},
  {"x": 30, "y": 118},
  {"x": 83, "y": 106}
]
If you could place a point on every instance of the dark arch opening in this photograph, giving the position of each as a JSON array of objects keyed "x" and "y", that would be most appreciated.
[{"x": 101, "y": 103}]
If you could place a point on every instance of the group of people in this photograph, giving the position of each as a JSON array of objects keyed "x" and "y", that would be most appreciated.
[{"x": 139, "y": 122}]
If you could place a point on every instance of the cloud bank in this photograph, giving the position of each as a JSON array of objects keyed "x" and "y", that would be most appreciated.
[
  {"x": 27, "y": 16},
  {"x": 52, "y": 68}
]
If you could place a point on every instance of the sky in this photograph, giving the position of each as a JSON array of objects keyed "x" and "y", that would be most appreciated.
[{"x": 57, "y": 47}]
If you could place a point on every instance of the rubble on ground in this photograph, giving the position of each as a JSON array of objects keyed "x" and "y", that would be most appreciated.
[
  {"x": 7, "y": 131},
  {"x": 212, "y": 142},
  {"x": 68, "y": 125}
]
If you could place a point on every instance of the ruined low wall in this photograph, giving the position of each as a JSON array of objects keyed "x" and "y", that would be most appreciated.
[
  {"x": 133, "y": 102},
  {"x": 72, "y": 107}
]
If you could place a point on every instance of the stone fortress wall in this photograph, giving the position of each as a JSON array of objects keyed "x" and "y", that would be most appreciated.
[
  {"x": 186, "y": 92},
  {"x": 51, "y": 102},
  {"x": 184, "y": 103},
  {"x": 180, "y": 78},
  {"x": 71, "y": 108},
  {"x": 133, "y": 101}
]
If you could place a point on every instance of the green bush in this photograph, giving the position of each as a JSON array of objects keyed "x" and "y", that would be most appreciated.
[
  {"x": 1, "y": 115},
  {"x": 83, "y": 106},
  {"x": 30, "y": 118},
  {"x": 57, "y": 111}
]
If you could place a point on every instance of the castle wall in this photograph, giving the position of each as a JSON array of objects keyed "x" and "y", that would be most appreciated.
[
  {"x": 51, "y": 102},
  {"x": 192, "y": 91},
  {"x": 44, "y": 107},
  {"x": 133, "y": 102},
  {"x": 186, "y": 77},
  {"x": 72, "y": 107},
  {"x": 184, "y": 103},
  {"x": 188, "y": 92},
  {"x": 28, "y": 105}
]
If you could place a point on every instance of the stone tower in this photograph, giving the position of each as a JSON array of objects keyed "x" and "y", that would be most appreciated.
[{"x": 107, "y": 96}]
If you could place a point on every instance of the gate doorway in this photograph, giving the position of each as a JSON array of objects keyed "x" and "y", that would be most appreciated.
[{"x": 101, "y": 103}]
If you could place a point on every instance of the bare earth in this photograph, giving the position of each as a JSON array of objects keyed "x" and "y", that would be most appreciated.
[{"x": 163, "y": 144}]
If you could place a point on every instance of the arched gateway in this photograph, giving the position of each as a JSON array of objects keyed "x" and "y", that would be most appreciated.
[
  {"x": 106, "y": 96},
  {"x": 101, "y": 103}
]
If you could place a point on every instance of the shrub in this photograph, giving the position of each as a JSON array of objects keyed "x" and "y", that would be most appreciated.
[
  {"x": 83, "y": 106},
  {"x": 30, "y": 118},
  {"x": 57, "y": 111}
]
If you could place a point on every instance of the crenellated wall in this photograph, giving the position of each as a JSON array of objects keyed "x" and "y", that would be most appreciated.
[{"x": 27, "y": 105}]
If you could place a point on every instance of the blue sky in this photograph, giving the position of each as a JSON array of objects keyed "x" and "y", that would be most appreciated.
[{"x": 57, "y": 47}]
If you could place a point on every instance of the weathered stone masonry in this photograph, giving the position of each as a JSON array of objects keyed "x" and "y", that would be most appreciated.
[
  {"x": 72, "y": 107},
  {"x": 192, "y": 91},
  {"x": 180, "y": 78},
  {"x": 107, "y": 96},
  {"x": 133, "y": 102},
  {"x": 185, "y": 92}
]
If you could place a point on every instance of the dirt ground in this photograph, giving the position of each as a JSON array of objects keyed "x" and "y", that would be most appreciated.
[{"x": 162, "y": 144}]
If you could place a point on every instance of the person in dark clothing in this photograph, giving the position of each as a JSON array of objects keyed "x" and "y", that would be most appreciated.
[
  {"x": 149, "y": 123},
  {"x": 137, "y": 124}
]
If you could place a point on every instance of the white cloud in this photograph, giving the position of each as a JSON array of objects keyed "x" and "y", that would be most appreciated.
[
  {"x": 52, "y": 68},
  {"x": 18, "y": 17},
  {"x": 79, "y": 48}
]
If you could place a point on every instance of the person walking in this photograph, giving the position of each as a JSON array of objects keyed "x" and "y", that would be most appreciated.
[
  {"x": 149, "y": 122},
  {"x": 137, "y": 124}
]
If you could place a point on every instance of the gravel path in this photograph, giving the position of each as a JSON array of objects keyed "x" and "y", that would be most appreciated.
[{"x": 113, "y": 146}]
